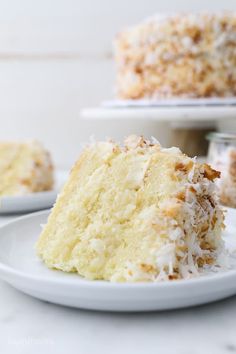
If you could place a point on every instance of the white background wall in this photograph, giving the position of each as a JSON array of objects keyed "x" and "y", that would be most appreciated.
[{"x": 55, "y": 58}]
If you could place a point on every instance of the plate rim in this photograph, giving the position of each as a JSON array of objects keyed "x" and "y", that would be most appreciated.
[{"x": 224, "y": 276}]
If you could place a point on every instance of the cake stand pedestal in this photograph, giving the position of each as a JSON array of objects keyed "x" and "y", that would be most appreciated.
[
  {"x": 189, "y": 124},
  {"x": 192, "y": 139}
]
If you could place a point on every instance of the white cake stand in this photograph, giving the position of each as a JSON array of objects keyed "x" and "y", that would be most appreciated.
[
  {"x": 183, "y": 114},
  {"x": 189, "y": 124}
]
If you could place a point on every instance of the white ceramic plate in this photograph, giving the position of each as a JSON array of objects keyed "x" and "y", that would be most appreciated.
[
  {"x": 33, "y": 201},
  {"x": 20, "y": 267}
]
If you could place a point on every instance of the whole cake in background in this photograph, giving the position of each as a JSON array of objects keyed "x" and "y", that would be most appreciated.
[
  {"x": 179, "y": 55},
  {"x": 137, "y": 212},
  {"x": 25, "y": 167}
]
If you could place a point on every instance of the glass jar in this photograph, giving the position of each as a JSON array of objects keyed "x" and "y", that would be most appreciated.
[{"x": 222, "y": 157}]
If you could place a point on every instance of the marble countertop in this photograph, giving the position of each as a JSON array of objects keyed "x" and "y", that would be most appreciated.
[{"x": 28, "y": 325}]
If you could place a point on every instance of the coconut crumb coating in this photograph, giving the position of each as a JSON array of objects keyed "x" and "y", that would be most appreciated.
[
  {"x": 136, "y": 212},
  {"x": 179, "y": 55}
]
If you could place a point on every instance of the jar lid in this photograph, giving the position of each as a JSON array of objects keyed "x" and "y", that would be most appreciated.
[{"x": 221, "y": 137}]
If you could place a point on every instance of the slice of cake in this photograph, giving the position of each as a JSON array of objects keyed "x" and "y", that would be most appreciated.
[
  {"x": 134, "y": 213},
  {"x": 24, "y": 168},
  {"x": 178, "y": 55}
]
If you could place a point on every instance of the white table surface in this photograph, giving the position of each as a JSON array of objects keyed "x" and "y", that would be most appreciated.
[{"x": 28, "y": 325}]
